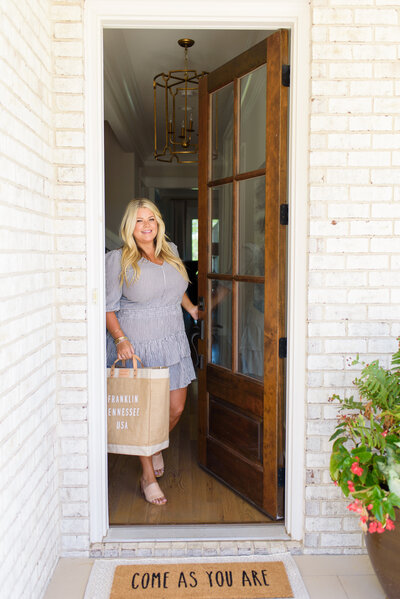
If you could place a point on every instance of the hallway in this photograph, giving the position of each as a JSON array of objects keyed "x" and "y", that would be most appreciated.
[{"x": 194, "y": 497}]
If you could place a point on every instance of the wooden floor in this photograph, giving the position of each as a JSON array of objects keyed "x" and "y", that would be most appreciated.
[{"x": 194, "y": 497}]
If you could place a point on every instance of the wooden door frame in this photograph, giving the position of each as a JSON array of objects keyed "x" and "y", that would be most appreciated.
[{"x": 255, "y": 14}]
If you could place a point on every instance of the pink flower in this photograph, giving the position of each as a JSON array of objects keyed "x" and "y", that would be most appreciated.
[
  {"x": 380, "y": 528},
  {"x": 356, "y": 506},
  {"x": 356, "y": 469},
  {"x": 389, "y": 524},
  {"x": 363, "y": 519},
  {"x": 369, "y": 507},
  {"x": 384, "y": 433},
  {"x": 350, "y": 484},
  {"x": 373, "y": 526}
]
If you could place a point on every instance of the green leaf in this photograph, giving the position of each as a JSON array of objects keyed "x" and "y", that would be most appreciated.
[
  {"x": 390, "y": 510},
  {"x": 378, "y": 511},
  {"x": 339, "y": 444},
  {"x": 339, "y": 430},
  {"x": 362, "y": 453}
]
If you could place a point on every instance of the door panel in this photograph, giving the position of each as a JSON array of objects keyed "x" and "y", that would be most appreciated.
[
  {"x": 239, "y": 391},
  {"x": 235, "y": 470},
  {"x": 236, "y": 429},
  {"x": 242, "y": 182}
]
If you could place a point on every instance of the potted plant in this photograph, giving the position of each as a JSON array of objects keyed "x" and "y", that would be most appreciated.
[{"x": 365, "y": 463}]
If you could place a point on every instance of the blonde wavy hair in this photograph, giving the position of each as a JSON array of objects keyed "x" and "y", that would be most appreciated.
[{"x": 131, "y": 253}]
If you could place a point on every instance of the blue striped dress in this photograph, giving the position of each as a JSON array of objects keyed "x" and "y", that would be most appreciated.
[{"x": 150, "y": 314}]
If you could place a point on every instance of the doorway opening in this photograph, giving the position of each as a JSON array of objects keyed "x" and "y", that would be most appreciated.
[{"x": 127, "y": 133}]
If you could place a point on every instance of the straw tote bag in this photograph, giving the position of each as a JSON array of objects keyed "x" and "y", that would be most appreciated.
[{"x": 137, "y": 409}]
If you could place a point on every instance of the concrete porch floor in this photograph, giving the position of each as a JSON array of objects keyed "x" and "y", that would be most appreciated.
[{"x": 325, "y": 576}]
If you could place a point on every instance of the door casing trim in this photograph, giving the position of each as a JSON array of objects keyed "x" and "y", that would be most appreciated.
[{"x": 207, "y": 14}]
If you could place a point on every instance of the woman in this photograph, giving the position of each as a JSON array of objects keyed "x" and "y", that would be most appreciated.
[{"x": 145, "y": 287}]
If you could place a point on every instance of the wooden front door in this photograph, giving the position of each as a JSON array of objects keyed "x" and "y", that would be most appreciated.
[{"x": 242, "y": 256}]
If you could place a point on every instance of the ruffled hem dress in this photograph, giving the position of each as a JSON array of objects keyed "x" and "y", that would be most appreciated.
[{"x": 150, "y": 314}]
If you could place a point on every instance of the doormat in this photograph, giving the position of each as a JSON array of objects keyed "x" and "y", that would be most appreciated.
[
  {"x": 203, "y": 581},
  {"x": 254, "y": 577}
]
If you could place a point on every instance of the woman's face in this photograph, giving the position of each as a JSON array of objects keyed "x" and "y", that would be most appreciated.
[{"x": 146, "y": 226}]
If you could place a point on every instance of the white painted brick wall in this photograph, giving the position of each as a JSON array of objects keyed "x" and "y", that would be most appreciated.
[
  {"x": 69, "y": 122},
  {"x": 30, "y": 512},
  {"x": 354, "y": 283}
]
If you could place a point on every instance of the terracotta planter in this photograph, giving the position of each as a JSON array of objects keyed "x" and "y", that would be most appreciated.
[{"x": 384, "y": 551}]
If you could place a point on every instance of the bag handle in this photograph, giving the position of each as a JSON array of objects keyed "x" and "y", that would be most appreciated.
[{"x": 135, "y": 360}]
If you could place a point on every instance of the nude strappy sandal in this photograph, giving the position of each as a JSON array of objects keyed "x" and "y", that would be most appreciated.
[
  {"x": 158, "y": 464},
  {"x": 153, "y": 492}
]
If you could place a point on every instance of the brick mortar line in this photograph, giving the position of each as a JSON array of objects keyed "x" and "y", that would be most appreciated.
[
  {"x": 11, "y": 433},
  {"x": 35, "y": 351},
  {"x": 25, "y": 124},
  {"x": 18, "y": 558},
  {"x": 26, "y": 169},
  {"x": 24, "y": 483},
  {"x": 19, "y": 35},
  {"x": 21, "y": 97}
]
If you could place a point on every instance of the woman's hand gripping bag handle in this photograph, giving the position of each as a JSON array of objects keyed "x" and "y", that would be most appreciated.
[{"x": 135, "y": 360}]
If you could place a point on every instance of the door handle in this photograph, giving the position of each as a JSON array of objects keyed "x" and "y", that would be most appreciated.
[
  {"x": 201, "y": 303},
  {"x": 201, "y": 329}
]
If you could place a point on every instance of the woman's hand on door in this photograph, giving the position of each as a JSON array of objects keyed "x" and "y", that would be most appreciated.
[{"x": 189, "y": 307}]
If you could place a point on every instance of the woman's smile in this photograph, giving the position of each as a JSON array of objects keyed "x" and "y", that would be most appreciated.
[{"x": 146, "y": 225}]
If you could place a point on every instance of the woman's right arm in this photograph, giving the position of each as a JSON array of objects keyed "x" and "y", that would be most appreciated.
[
  {"x": 113, "y": 303},
  {"x": 125, "y": 349}
]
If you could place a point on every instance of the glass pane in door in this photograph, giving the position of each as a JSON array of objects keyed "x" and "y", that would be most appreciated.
[
  {"x": 221, "y": 323},
  {"x": 252, "y": 226},
  {"x": 251, "y": 329},
  {"x": 221, "y": 229},
  {"x": 253, "y": 101},
  {"x": 222, "y": 133}
]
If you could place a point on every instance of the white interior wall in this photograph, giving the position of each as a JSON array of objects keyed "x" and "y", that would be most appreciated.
[{"x": 121, "y": 179}]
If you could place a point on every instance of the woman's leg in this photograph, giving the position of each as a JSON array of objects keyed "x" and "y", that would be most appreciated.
[
  {"x": 177, "y": 399},
  {"x": 148, "y": 477}
]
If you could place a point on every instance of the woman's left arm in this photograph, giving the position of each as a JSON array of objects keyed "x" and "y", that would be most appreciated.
[{"x": 189, "y": 307}]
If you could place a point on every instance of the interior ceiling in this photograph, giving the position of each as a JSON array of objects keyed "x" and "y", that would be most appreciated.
[{"x": 132, "y": 57}]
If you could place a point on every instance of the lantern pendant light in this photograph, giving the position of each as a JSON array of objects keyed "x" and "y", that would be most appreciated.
[{"x": 175, "y": 95}]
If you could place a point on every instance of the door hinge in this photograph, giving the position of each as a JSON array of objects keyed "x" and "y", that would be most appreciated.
[
  {"x": 284, "y": 214},
  {"x": 286, "y": 75},
  {"x": 283, "y": 347},
  {"x": 281, "y": 476}
]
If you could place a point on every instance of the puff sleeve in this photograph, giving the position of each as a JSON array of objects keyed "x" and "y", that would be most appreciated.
[
  {"x": 174, "y": 248},
  {"x": 113, "y": 287}
]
